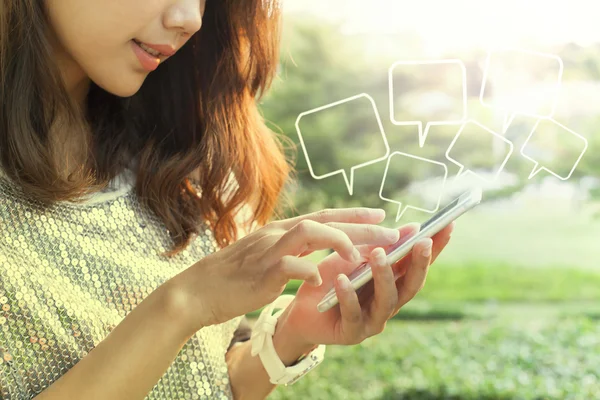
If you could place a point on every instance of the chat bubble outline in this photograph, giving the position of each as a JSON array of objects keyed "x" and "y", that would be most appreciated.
[
  {"x": 424, "y": 132},
  {"x": 462, "y": 170},
  {"x": 509, "y": 115},
  {"x": 401, "y": 209},
  {"x": 348, "y": 180},
  {"x": 536, "y": 170}
]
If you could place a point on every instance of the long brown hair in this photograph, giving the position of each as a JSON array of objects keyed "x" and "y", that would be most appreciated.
[{"x": 194, "y": 123}]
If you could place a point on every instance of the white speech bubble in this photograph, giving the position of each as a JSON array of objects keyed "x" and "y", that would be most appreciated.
[
  {"x": 349, "y": 180},
  {"x": 539, "y": 128},
  {"x": 476, "y": 128},
  {"x": 402, "y": 210},
  {"x": 538, "y": 102},
  {"x": 423, "y": 132}
]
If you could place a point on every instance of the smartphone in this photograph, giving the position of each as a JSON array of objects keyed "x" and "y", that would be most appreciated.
[{"x": 363, "y": 274}]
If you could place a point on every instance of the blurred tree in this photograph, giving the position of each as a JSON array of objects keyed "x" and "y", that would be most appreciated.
[{"x": 320, "y": 65}]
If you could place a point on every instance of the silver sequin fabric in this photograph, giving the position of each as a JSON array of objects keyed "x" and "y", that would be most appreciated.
[{"x": 72, "y": 272}]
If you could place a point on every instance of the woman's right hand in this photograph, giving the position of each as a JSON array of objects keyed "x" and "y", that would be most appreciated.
[{"x": 253, "y": 271}]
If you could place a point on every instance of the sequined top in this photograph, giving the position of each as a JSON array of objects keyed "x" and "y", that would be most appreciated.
[{"x": 71, "y": 273}]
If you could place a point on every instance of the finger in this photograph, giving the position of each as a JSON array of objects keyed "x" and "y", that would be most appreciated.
[
  {"x": 362, "y": 234},
  {"x": 366, "y": 237},
  {"x": 386, "y": 293},
  {"x": 360, "y": 215},
  {"x": 399, "y": 268},
  {"x": 414, "y": 280},
  {"x": 290, "y": 267},
  {"x": 405, "y": 232},
  {"x": 440, "y": 240},
  {"x": 311, "y": 235},
  {"x": 351, "y": 313}
]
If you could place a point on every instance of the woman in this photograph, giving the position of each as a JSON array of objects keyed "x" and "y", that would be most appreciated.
[{"x": 130, "y": 143}]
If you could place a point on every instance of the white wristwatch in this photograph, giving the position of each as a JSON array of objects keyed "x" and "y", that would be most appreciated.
[{"x": 262, "y": 344}]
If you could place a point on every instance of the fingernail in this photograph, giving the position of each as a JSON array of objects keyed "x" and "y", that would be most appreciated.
[
  {"x": 377, "y": 212},
  {"x": 343, "y": 281},
  {"x": 381, "y": 259},
  {"x": 426, "y": 252},
  {"x": 356, "y": 255},
  {"x": 371, "y": 212},
  {"x": 392, "y": 234},
  {"x": 319, "y": 280},
  {"x": 414, "y": 226}
]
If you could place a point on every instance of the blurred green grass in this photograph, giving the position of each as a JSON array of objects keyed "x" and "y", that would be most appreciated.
[{"x": 499, "y": 359}]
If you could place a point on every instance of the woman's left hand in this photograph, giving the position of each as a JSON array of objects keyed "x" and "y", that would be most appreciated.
[{"x": 357, "y": 317}]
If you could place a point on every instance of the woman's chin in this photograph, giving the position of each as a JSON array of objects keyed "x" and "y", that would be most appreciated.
[{"x": 125, "y": 86}]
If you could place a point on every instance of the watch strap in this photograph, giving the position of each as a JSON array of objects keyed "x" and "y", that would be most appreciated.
[{"x": 262, "y": 345}]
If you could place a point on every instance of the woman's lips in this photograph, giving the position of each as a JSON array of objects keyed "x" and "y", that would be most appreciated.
[
  {"x": 163, "y": 49},
  {"x": 148, "y": 61}
]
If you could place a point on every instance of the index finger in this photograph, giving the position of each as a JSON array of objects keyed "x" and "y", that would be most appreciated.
[{"x": 362, "y": 215}]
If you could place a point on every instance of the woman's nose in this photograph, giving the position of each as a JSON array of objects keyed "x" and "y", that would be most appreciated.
[{"x": 184, "y": 16}]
